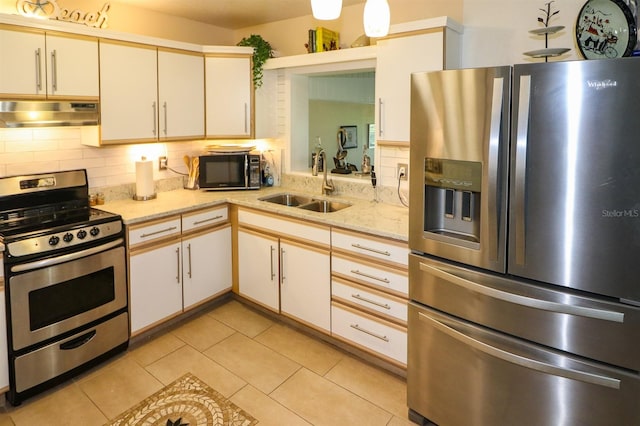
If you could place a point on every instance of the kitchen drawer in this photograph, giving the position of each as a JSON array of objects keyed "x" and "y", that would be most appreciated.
[
  {"x": 370, "y": 246},
  {"x": 290, "y": 227},
  {"x": 369, "y": 333},
  {"x": 390, "y": 279},
  {"x": 203, "y": 218},
  {"x": 377, "y": 302},
  {"x": 151, "y": 231}
]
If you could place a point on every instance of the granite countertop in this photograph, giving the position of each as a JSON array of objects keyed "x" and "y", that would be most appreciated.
[{"x": 385, "y": 220}]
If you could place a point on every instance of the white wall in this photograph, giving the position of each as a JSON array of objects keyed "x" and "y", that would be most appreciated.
[{"x": 496, "y": 32}]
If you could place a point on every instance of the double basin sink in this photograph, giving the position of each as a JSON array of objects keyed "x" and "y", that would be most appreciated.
[{"x": 306, "y": 203}]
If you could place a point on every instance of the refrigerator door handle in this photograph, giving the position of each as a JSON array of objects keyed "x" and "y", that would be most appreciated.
[
  {"x": 529, "y": 302},
  {"x": 522, "y": 361},
  {"x": 521, "y": 167},
  {"x": 494, "y": 155}
]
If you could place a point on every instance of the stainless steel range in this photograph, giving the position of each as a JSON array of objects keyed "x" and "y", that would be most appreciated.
[{"x": 65, "y": 280}]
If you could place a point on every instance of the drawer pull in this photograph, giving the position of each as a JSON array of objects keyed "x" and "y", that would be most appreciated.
[
  {"x": 373, "y": 302},
  {"x": 370, "y": 333},
  {"x": 384, "y": 280},
  {"x": 384, "y": 253},
  {"x": 162, "y": 231},
  {"x": 198, "y": 222}
]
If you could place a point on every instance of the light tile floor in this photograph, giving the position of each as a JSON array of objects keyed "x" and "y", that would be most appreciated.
[{"x": 277, "y": 374}]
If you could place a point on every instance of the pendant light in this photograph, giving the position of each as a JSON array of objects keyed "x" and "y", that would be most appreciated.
[
  {"x": 326, "y": 10},
  {"x": 376, "y": 18}
]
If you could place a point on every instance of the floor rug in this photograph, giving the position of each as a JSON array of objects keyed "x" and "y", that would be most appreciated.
[{"x": 187, "y": 401}]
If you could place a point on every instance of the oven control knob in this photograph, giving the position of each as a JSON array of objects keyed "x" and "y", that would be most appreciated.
[
  {"x": 94, "y": 231},
  {"x": 54, "y": 240},
  {"x": 82, "y": 234},
  {"x": 68, "y": 237}
]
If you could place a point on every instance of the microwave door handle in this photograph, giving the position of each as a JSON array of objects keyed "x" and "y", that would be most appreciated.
[
  {"x": 521, "y": 168},
  {"x": 493, "y": 163},
  {"x": 246, "y": 171}
]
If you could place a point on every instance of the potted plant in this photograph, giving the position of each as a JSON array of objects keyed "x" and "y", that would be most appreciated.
[{"x": 262, "y": 51}]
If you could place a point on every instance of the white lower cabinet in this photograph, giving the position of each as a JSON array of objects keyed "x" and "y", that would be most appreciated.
[
  {"x": 258, "y": 268},
  {"x": 369, "y": 294},
  {"x": 155, "y": 285},
  {"x": 206, "y": 267},
  {"x": 284, "y": 265},
  {"x": 370, "y": 333},
  {"x": 304, "y": 283},
  {"x": 176, "y": 264}
]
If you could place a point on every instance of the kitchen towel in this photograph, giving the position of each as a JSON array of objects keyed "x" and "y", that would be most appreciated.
[{"x": 144, "y": 179}]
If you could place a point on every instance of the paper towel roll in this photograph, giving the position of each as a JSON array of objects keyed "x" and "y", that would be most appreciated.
[{"x": 144, "y": 180}]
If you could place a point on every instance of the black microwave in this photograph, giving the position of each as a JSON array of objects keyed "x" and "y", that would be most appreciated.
[{"x": 229, "y": 171}]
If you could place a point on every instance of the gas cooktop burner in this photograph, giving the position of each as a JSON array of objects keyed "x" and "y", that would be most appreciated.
[
  {"x": 49, "y": 212},
  {"x": 30, "y": 219}
]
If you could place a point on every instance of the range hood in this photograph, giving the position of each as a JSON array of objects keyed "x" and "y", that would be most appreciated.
[{"x": 26, "y": 113}]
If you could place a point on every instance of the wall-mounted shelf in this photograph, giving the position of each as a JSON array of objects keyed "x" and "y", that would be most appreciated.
[{"x": 323, "y": 58}]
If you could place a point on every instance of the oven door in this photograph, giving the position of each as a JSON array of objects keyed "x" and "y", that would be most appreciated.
[{"x": 61, "y": 294}]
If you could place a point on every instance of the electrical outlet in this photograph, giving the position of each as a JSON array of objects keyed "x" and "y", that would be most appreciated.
[
  {"x": 163, "y": 163},
  {"x": 402, "y": 171}
]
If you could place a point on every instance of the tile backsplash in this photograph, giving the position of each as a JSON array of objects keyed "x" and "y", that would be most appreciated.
[
  {"x": 111, "y": 169},
  {"x": 38, "y": 150}
]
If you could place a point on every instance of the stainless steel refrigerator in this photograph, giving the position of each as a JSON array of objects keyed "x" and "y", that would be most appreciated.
[{"x": 524, "y": 276}]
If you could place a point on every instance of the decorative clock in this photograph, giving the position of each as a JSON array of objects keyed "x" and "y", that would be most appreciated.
[{"x": 605, "y": 29}]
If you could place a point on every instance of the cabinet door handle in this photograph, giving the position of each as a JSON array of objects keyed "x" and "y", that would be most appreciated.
[
  {"x": 54, "y": 72},
  {"x": 370, "y": 333},
  {"x": 282, "y": 277},
  {"x": 373, "y": 302},
  {"x": 178, "y": 268},
  {"x": 189, "y": 256},
  {"x": 384, "y": 253},
  {"x": 162, "y": 231},
  {"x": 38, "y": 71},
  {"x": 199, "y": 222},
  {"x": 384, "y": 280},
  {"x": 380, "y": 106},
  {"x": 273, "y": 274},
  {"x": 155, "y": 118},
  {"x": 246, "y": 117},
  {"x": 164, "y": 107}
]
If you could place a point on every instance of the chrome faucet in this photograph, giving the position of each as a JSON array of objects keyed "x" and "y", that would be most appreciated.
[{"x": 327, "y": 185}]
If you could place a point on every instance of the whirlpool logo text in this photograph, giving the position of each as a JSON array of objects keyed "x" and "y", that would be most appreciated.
[{"x": 601, "y": 84}]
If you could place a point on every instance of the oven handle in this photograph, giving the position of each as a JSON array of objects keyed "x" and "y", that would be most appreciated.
[
  {"x": 78, "y": 341},
  {"x": 66, "y": 257}
]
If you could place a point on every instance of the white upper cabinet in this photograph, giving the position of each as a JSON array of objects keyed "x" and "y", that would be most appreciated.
[
  {"x": 47, "y": 66},
  {"x": 149, "y": 94},
  {"x": 128, "y": 93},
  {"x": 229, "y": 96},
  {"x": 421, "y": 49},
  {"x": 180, "y": 95},
  {"x": 72, "y": 67}
]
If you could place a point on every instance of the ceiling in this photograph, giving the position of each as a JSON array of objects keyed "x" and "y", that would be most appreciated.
[{"x": 233, "y": 14}]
